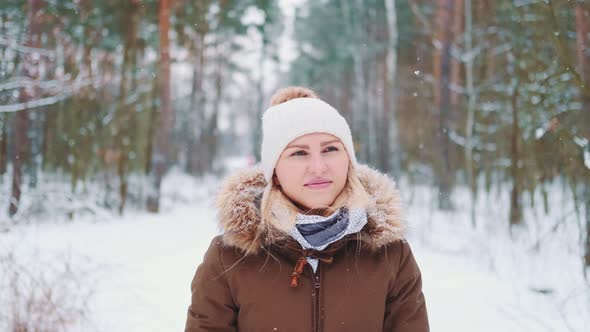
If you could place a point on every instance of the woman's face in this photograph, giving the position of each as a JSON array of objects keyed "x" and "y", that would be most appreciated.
[{"x": 312, "y": 170}]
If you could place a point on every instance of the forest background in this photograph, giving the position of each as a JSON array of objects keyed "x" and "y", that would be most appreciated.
[{"x": 481, "y": 102}]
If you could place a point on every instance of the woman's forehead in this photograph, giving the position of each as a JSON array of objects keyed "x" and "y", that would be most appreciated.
[{"x": 315, "y": 138}]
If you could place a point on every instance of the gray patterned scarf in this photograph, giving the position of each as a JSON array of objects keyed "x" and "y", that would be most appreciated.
[{"x": 317, "y": 232}]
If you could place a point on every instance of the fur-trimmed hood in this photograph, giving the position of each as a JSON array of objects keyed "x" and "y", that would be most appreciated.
[{"x": 239, "y": 217}]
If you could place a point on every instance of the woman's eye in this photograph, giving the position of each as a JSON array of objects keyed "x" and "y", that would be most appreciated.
[
  {"x": 331, "y": 148},
  {"x": 299, "y": 153}
]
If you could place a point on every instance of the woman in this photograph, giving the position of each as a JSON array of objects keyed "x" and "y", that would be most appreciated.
[{"x": 312, "y": 241}]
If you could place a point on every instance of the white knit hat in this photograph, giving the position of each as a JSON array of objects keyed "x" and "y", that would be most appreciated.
[{"x": 283, "y": 123}]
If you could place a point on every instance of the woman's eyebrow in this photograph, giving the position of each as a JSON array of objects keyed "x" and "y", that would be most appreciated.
[
  {"x": 305, "y": 146},
  {"x": 297, "y": 146},
  {"x": 329, "y": 142}
]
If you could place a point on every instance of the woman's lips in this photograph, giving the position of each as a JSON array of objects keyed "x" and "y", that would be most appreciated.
[{"x": 318, "y": 185}]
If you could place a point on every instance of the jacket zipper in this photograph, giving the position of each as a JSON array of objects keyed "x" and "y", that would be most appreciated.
[{"x": 316, "y": 299}]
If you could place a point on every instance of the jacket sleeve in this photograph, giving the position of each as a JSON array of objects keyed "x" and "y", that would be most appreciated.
[
  {"x": 405, "y": 307},
  {"x": 212, "y": 307}
]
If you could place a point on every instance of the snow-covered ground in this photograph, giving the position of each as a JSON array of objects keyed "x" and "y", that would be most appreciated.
[{"x": 139, "y": 266}]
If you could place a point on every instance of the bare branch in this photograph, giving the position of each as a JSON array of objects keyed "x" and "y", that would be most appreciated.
[
  {"x": 75, "y": 87},
  {"x": 420, "y": 16},
  {"x": 33, "y": 104},
  {"x": 26, "y": 49},
  {"x": 24, "y": 82}
]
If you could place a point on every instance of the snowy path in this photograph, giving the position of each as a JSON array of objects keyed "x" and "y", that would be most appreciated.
[
  {"x": 147, "y": 263},
  {"x": 461, "y": 298}
]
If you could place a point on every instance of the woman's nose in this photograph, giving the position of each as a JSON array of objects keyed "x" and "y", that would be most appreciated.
[{"x": 317, "y": 164}]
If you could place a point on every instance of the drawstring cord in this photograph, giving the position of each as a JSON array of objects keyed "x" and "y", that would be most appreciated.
[{"x": 298, "y": 269}]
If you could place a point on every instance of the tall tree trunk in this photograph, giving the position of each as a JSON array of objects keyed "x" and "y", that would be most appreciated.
[
  {"x": 126, "y": 88},
  {"x": 486, "y": 71},
  {"x": 257, "y": 134},
  {"x": 345, "y": 95},
  {"x": 164, "y": 128},
  {"x": 348, "y": 9},
  {"x": 36, "y": 119},
  {"x": 21, "y": 142},
  {"x": 73, "y": 116},
  {"x": 583, "y": 55},
  {"x": 384, "y": 146},
  {"x": 4, "y": 61},
  {"x": 394, "y": 150},
  {"x": 442, "y": 74},
  {"x": 471, "y": 102},
  {"x": 199, "y": 106},
  {"x": 485, "y": 13},
  {"x": 190, "y": 127},
  {"x": 211, "y": 138},
  {"x": 152, "y": 122},
  {"x": 359, "y": 54},
  {"x": 3, "y": 117},
  {"x": 50, "y": 134},
  {"x": 456, "y": 63},
  {"x": 21, "y": 122},
  {"x": 374, "y": 104},
  {"x": 195, "y": 109},
  {"x": 3, "y": 143},
  {"x": 516, "y": 193}
]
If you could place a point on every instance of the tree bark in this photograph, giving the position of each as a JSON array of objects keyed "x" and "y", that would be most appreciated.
[
  {"x": 33, "y": 166},
  {"x": 211, "y": 132},
  {"x": 3, "y": 143},
  {"x": 583, "y": 55},
  {"x": 485, "y": 12},
  {"x": 374, "y": 106},
  {"x": 164, "y": 119},
  {"x": 200, "y": 106},
  {"x": 358, "y": 90},
  {"x": 442, "y": 75},
  {"x": 152, "y": 122},
  {"x": 458, "y": 30},
  {"x": 21, "y": 122},
  {"x": 127, "y": 87},
  {"x": 516, "y": 193},
  {"x": 21, "y": 141},
  {"x": 393, "y": 145},
  {"x": 257, "y": 134},
  {"x": 471, "y": 102},
  {"x": 3, "y": 117}
]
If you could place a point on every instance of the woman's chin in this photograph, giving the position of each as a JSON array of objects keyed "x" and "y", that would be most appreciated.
[{"x": 318, "y": 204}]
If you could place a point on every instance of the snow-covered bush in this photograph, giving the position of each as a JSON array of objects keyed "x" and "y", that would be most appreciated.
[{"x": 43, "y": 294}]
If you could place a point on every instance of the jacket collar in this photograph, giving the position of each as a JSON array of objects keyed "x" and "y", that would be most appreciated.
[{"x": 238, "y": 204}]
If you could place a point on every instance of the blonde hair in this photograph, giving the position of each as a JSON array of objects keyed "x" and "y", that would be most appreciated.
[{"x": 280, "y": 211}]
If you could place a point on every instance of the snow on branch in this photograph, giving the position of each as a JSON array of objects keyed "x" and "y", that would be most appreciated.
[
  {"x": 22, "y": 82},
  {"x": 458, "y": 139},
  {"x": 134, "y": 97},
  {"x": 68, "y": 91},
  {"x": 33, "y": 104},
  {"x": 26, "y": 49}
]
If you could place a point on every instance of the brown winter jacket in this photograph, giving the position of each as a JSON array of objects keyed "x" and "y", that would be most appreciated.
[{"x": 367, "y": 281}]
